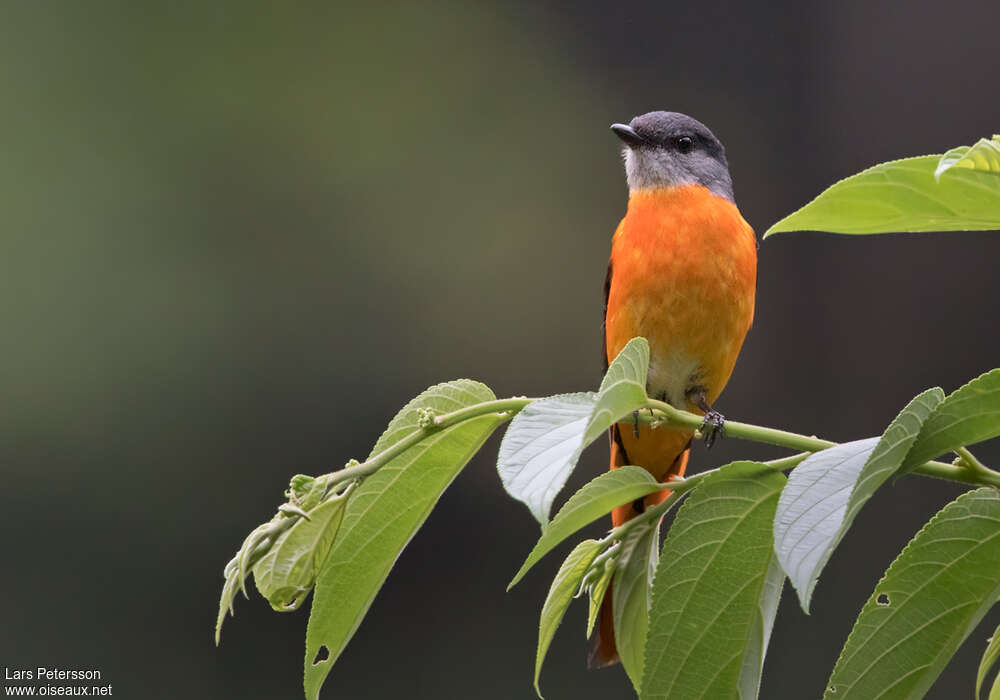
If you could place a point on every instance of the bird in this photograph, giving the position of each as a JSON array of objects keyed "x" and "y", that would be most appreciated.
[{"x": 683, "y": 274}]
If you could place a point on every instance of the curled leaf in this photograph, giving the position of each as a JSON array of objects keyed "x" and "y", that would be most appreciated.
[
  {"x": 983, "y": 156},
  {"x": 563, "y": 589},
  {"x": 286, "y": 574}
]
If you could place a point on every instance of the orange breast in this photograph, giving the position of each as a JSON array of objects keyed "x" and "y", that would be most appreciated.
[{"x": 683, "y": 275}]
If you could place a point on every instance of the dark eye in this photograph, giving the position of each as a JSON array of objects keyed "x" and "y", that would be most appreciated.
[{"x": 684, "y": 144}]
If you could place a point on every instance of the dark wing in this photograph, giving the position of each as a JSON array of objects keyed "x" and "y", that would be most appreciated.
[
  {"x": 613, "y": 434},
  {"x": 604, "y": 320}
]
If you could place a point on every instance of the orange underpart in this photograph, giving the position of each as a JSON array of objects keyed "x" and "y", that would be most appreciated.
[{"x": 682, "y": 274}]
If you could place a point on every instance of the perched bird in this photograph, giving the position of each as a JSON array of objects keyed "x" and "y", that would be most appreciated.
[{"x": 682, "y": 274}]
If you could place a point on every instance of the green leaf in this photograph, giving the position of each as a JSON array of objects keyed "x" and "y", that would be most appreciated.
[
  {"x": 564, "y": 587},
  {"x": 810, "y": 519},
  {"x": 760, "y": 631},
  {"x": 826, "y": 491},
  {"x": 230, "y": 589},
  {"x": 541, "y": 447},
  {"x": 286, "y": 574},
  {"x": 984, "y": 156},
  {"x": 968, "y": 415},
  {"x": 239, "y": 567},
  {"x": 902, "y": 195},
  {"x": 716, "y": 591},
  {"x": 929, "y": 600},
  {"x": 608, "y": 491},
  {"x": 597, "y": 592},
  {"x": 546, "y": 439},
  {"x": 623, "y": 389},
  {"x": 631, "y": 596},
  {"x": 383, "y": 514},
  {"x": 990, "y": 657}
]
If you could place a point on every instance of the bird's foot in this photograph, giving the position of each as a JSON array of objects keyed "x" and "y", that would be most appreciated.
[{"x": 713, "y": 427}]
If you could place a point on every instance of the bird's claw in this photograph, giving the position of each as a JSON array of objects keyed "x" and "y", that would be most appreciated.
[{"x": 713, "y": 427}]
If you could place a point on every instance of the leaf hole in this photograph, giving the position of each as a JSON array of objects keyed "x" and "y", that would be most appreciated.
[
  {"x": 883, "y": 600},
  {"x": 322, "y": 656}
]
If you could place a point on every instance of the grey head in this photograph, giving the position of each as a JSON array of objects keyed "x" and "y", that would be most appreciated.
[{"x": 670, "y": 149}]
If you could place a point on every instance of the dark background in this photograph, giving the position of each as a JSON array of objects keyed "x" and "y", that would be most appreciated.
[{"x": 237, "y": 238}]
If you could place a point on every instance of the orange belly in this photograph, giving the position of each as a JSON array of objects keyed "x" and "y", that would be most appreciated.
[{"x": 683, "y": 275}]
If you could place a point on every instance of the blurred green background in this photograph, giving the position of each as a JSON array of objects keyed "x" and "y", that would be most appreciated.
[{"x": 238, "y": 236}]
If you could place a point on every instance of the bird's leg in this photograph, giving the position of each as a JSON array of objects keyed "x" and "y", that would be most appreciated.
[
  {"x": 714, "y": 425},
  {"x": 639, "y": 505},
  {"x": 635, "y": 424}
]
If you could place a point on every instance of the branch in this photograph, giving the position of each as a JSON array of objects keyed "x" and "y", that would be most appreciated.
[
  {"x": 428, "y": 425},
  {"x": 744, "y": 431},
  {"x": 969, "y": 461},
  {"x": 967, "y": 472},
  {"x": 680, "y": 486}
]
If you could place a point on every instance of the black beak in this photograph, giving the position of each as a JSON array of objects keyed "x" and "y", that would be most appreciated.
[{"x": 627, "y": 135}]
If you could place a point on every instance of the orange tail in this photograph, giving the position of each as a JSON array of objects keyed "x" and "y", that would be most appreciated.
[{"x": 603, "y": 651}]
